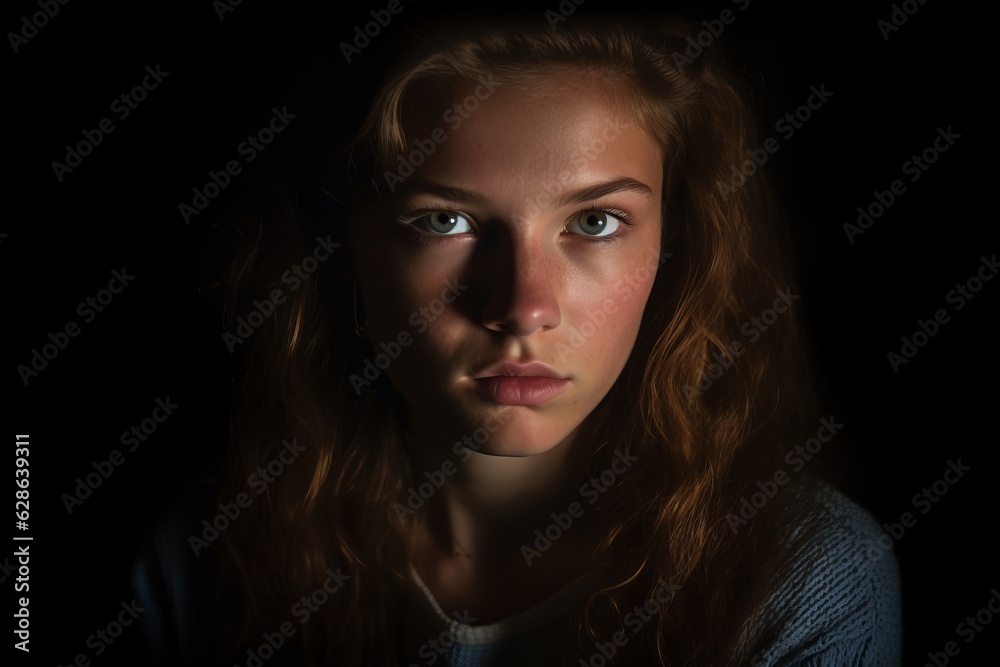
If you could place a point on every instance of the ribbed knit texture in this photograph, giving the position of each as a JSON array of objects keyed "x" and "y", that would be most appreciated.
[
  {"x": 842, "y": 594},
  {"x": 838, "y": 604}
]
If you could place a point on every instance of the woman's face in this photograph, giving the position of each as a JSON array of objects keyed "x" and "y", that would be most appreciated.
[{"x": 505, "y": 277}]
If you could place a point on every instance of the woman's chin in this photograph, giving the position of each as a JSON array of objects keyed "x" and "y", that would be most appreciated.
[
  {"x": 515, "y": 449},
  {"x": 521, "y": 437}
]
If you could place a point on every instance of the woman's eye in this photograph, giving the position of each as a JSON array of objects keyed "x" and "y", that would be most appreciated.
[
  {"x": 443, "y": 222},
  {"x": 594, "y": 223}
]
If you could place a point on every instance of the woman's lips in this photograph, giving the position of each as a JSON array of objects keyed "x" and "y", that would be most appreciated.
[{"x": 520, "y": 390}]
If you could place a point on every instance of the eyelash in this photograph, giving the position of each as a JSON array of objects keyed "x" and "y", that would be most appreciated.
[{"x": 426, "y": 239}]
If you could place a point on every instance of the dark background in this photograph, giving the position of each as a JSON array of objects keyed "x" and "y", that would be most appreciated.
[{"x": 162, "y": 335}]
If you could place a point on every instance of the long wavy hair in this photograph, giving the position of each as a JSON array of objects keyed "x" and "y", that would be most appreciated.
[{"x": 705, "y": 439}]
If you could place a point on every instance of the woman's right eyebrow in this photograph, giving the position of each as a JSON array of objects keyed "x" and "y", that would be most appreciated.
[{"x": 445, "y": 192}]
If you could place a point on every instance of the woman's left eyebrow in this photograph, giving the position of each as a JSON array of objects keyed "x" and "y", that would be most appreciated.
[{"x": 624, "y": 184}]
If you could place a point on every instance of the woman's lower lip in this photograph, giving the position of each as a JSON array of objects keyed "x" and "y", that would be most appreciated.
[{"x": 521, "y": 390}]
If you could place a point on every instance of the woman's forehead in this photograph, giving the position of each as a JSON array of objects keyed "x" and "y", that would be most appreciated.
[{"x": 528, "y": 136}]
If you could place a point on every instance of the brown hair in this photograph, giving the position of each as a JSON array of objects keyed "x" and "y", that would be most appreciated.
[{"x": 703, "y": 449}]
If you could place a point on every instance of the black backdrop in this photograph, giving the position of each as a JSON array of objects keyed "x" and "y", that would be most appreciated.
[{"x": 161, "y": 335}]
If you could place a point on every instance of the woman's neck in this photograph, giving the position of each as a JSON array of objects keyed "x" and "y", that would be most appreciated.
[
  {"x": 478, "y": 497},
  {"x": 480, "y": 512}
]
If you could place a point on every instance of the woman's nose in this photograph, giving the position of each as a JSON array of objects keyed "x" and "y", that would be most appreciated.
[{"x": 522, "y": 297}]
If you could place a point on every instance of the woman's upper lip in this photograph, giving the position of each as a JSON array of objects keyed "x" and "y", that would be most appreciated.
[{"x": 513, "y": 368}]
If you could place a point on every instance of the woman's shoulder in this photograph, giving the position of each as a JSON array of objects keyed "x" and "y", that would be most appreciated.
[
  {"x": 837, "y": 600},
  {"x": 174, "y": 575}
]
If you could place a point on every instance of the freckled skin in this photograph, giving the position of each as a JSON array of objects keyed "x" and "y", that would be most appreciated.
[{"x": 530, "y": 281}]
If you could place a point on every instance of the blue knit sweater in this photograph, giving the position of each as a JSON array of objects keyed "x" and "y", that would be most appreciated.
[{"x": 838, "y": 604}]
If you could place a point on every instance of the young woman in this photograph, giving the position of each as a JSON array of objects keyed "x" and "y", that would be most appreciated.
[{"x": 547, "y": 394}]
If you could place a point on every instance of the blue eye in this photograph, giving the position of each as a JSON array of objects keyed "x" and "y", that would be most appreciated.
[
  {"x": 596, "y": 223},
  {"x": 442, "y": 222}
]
